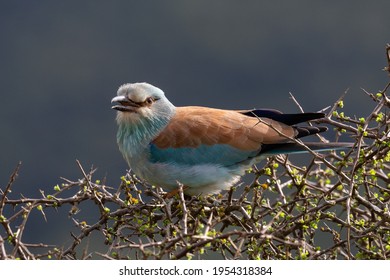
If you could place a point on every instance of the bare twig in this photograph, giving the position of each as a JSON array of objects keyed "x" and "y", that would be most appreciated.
[{"x": 8, "y": 187}]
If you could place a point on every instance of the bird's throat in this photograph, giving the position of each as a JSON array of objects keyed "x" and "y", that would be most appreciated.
[{"x": 134, "y": 137}]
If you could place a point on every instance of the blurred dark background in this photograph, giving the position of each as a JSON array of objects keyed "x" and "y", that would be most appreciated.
[{"x": 62, "y": 62}]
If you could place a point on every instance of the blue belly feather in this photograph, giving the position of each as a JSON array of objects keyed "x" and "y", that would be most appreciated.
[{"x": 221, "y": 154}]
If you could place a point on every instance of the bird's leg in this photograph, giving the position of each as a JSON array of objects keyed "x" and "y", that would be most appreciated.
[{"x": 174, "y": 192}]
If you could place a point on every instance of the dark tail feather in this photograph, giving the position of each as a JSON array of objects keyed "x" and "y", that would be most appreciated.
[
  {"x": 294, "y": 148},
  {"x": 289, "y": 119},
  {"x": 309, "y": 130},
  {"x": 302, "y": 131}
]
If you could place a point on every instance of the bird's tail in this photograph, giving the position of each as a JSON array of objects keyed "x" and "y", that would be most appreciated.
[{"x": 295, "y": 148}]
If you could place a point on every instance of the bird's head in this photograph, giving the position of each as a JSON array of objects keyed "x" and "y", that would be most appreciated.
[{"x": 140, "y": 101}]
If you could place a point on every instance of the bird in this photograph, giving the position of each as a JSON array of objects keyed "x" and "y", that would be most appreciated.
[{"x": 206, "y": 150}]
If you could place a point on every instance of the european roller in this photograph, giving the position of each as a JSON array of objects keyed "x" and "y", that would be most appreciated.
[{"x": 204, "y": 149}]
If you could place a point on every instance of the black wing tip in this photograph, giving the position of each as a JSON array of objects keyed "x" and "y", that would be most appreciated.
[
  {"x": 289, "y": 119},
  {"x": 309, "y": 130}
]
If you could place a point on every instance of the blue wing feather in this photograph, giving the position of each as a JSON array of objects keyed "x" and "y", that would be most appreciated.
[{"x": 220, "y": 154}]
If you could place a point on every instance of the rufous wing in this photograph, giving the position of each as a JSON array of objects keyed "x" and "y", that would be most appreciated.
[{"x": 195, "y": 126}]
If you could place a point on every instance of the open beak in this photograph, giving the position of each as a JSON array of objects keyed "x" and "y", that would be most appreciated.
[{"x": 124, "y": 104}]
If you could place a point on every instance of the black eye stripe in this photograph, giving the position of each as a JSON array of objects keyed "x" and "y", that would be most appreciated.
[{"x": 148, "y": 101}]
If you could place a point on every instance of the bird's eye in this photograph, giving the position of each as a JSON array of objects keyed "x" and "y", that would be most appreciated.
[{"x": 149, "y": 100}]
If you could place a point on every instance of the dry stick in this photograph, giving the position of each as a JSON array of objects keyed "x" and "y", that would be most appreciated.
[
  {"x": 84, "y": 174},
  {"x": 238, "y": 249},
  {"x": 18, "y": 245},
  {"x": 86, "y": 232},
  {"x": 336, "y": 104},
  {"x": 208, "y": 225},
  {"x": 383, "y": 250},
  {"x": 8, "y": 187},
  {"x": 105, "y": 256},
  {"x": 16, "y": 238},
  {"x": 337, "y": 245},
  {"x": 388, "y": 58},
  {"x": 328, "y": 119},
  {"x": 279, "y": 187},
  {"x": 296, "y": 102},
  {"x": 184, "y": 208},
  {"x": 254, "y": 203},
  {"x": 88, "y": 181},
  {"x": 3, "y": 253}
]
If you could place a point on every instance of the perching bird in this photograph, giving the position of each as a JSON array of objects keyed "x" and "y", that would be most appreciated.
[{"x": 206, "y": 150}]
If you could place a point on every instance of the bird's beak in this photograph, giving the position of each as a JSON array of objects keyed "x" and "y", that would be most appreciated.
[{"x": 125, "y": 104}]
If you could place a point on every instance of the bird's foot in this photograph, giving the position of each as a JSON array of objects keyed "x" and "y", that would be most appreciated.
[{"x": 174, "y": 192}]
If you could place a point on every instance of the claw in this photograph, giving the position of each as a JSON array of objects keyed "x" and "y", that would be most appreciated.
[{"x": 174, "y": 192}]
